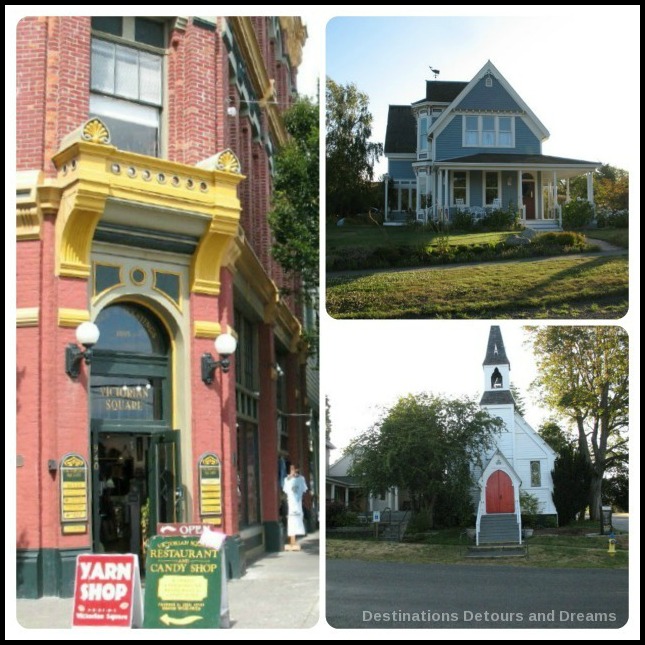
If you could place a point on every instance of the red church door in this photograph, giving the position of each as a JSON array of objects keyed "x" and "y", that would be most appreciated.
[{"x": 499, "y": 493}]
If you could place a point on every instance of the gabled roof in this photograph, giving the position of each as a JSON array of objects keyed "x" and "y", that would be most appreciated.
[
  {"x": 442, "y": 91},
  {"x": 495, "y": 350},
  {"x": 533, "y": 122},
  {"x": 401, "y": 132}
]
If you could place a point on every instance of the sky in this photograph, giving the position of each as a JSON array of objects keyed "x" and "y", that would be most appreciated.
[
  {"x": 577, "y": 69},
  {"x": 438, "y": 357}
]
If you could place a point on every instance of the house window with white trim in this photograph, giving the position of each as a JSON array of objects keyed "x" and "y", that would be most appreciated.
[
  {"x": 536, "y": 475},
  {"x": 459, "y": 187},
  {"x": 127, "y": 80},
  {"x": 491, "y": 188},
  {"x": 487, "y": 131},
  {"x": 472, "y": 131},
  {"x": 423, "y": 133}
]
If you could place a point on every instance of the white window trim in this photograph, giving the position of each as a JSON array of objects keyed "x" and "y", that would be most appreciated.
[
  {"x": 452, "y": 187},
  {"x": 420, "y": 149},
  {"x": 499, "y": 185},
  {"x": 480, "y": 124}
]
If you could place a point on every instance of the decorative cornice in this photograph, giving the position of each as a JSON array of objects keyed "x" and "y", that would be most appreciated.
[
  {"x": 91, "y": 171},
  {"x": 35, "y": 196},
  {"x": 72, "y": 317},
  {"x": 207, "y": 329},
  {"x": 27, "y": 317},
  {"x": 294, "y": 36}
]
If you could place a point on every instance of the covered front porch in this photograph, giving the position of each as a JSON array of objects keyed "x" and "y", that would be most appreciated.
[{"x": 535, "y": 186}]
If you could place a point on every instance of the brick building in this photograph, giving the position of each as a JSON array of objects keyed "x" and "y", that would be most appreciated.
[{"x": 144, "y": 158}]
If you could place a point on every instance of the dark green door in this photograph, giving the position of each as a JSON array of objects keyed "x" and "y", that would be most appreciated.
[{"x": 135, "y": 453}]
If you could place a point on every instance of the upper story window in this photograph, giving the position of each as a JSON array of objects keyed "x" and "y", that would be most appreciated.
[
  {"x": 536, "y": 474},
  {"x": 488, "y": 131},
  {"x": 423, "y": 133},
  {"x": 127, "y": 80},
  {"x": 436, "y": 113}
]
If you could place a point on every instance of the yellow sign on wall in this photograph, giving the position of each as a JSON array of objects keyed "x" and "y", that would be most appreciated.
[
  {"x": 210, "y": 488},
  {"x": 74, "y": 507}
]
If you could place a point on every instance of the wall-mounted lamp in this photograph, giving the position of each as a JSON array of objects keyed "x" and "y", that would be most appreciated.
[
  {"x": 87, "y": 334},
  {"x": 52, "y": 465},
  {"x": 225, "y": 345}
]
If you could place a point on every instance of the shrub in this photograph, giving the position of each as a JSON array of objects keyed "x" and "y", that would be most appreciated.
[
  {"x": 501, "y": 220},
  {"x": 606, "y": 217},
  {"x": 530, "y": 508},
  {"x": 576, "y": 214},
  {"x": 463, "y": 221},
  {"x": 565, "y": 239},
  {"x": 337, "y": 515},
  {"x": 420, "y": 522}
]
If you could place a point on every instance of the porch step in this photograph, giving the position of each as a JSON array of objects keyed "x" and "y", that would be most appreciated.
[
  {"x": 499, "y": 528},
  {"x": 498, "y": 551},
  {"x": 542, "y": 225}
]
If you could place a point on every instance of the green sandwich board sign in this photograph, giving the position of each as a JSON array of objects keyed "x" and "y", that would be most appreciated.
[{"x": 183, "y": 584}]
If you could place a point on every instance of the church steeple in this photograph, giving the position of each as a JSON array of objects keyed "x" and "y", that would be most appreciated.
[
  {"x": 495, "y": 351},
  {"x": 497, "y": 370}
]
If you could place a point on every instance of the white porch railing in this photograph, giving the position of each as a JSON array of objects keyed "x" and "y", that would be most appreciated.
[{"x": 480, "y": 512}]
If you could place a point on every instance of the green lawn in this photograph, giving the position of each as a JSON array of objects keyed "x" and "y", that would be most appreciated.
[
  {"x": 591, "y": 553},
  {"x": 342, "y": 237},
  {"x": 616, "y": 236},
  {"x": 589, "y": 287}
]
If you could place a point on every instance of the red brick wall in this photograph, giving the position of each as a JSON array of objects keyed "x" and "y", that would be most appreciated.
[{"x": 31, "y": 65}]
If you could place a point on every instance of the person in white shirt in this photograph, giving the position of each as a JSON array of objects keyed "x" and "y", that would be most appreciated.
[{"x": 294, "y": 488}]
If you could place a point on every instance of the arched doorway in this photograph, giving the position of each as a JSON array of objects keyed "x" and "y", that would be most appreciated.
[
  {"x": 499, "y": 493},
  {"x": 135, "y": 452},
  {"x": 528, "y": 194}
]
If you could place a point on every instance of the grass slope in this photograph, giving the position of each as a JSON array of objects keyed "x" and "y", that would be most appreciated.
[{"x": 582, "y": 287}]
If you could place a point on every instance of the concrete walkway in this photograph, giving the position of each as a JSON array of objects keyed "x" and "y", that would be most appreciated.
[{"x": 279, "y": 590}]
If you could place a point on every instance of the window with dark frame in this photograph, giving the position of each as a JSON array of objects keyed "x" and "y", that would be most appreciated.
[{"x": 127, "y": 80}]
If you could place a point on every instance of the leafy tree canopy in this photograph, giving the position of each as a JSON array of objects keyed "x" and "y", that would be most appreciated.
[
  {"x": 350, "y": 155},
  {"x": 584, "y": 375},
  {"x": 425, "y": 445}
]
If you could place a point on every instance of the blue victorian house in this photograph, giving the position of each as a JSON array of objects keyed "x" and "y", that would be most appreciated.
[{"x": 474, "y": 146}]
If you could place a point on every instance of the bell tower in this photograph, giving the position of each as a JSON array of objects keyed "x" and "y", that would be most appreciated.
[{"x": 497, "y": 397}]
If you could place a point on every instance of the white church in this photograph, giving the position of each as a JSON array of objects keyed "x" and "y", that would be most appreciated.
[{"x": 519, "y": 460}]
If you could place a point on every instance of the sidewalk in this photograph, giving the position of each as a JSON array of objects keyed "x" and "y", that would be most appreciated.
[{"x": 279, "y": 590}]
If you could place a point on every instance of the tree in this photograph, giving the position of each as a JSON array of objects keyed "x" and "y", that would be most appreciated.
[
  {"x": 520, "y": 403},
  {"x": 571, "y": 476},
  {"x": 350, "y": 156},
  {"x": 610, "y": 184},
  {"x": 295, "y": 214},
  {"x": 425, "y": 445},
  {"x": 584, "y": 375},
  {"x": 554, "y": 435}
]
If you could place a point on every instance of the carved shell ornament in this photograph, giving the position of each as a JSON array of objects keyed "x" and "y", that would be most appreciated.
[
  {"x": 228, "y": 162},
  {"x": 95, "y": 131}
]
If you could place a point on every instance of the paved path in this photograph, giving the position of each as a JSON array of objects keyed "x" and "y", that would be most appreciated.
[
  {"x": 401, "y": 595},
  {"x": 280, "y": 590}
]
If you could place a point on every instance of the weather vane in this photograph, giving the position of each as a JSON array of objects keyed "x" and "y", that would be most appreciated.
[{"x": 434, "y": 71}]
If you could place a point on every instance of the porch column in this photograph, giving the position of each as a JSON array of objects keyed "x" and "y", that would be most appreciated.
[
  {"x": 568, "y": 194},
  {"x": 347, "y": 497},
  {"x": 332, "y": 492},
  {"x": 440, "y": 192},
  {"x": 386, "y": 181},
  {"x": 590, "y": 187},
  {"x": 520, "y": 204},
  {"x": 410, "y": 189},
  {"x": 555, "y": 194},
  {"x": 419, "y": 193},
  {"x": 399, "y": 193}
]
